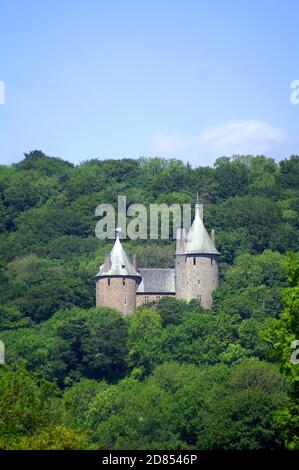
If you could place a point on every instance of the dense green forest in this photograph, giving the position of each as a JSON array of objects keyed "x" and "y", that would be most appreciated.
[{"x": 172, "y": 375}]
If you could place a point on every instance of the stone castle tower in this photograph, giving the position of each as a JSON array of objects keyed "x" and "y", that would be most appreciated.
[
  {"x": 120, "y": 284},
  {"x": 117, "y": 281},
  {"x": 196, "y": 263}
]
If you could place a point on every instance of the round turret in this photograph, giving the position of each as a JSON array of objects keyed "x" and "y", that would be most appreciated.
[
  {"x": 117, "y": 281},
  {"x": 197, "y": 263}
]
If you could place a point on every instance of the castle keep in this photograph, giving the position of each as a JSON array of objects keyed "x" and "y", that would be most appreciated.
[{"x": 123, "y": 285}]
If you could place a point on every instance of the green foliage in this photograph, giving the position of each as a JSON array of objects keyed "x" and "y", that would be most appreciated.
[
  {"x": 231, "y": 177},
  {"x": 141, "y": 418},
  {"x": 171, "y": 311},
  {"x": 56, "y": 438},
  {"x": 145, "y": 348},
  {"x": 97, "y": 343},
  {"x": 252, "y": 286},
  {"x": 26, "y": 405},
  {"x": 77, "y": 402},
  {"x": 185, "y": 406},
  {"x": 75, "y": 343},
  {"x": 281, "y": 335},
  {"x": 45, "y": 166},
  {"x": 37, "y": 287},
  {"x": 289, "y": 172},
  {"x": 244, "y": 412},
  {"x": 11, "y": 318},
  {"x": 171, "y": 375}
]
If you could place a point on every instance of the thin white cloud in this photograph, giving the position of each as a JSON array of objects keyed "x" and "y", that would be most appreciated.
[{"x": 235, "y": 137}]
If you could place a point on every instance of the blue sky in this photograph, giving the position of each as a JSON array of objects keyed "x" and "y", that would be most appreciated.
[{"x": 188, "y": 79}]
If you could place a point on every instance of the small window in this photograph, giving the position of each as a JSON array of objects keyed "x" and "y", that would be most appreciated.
[
  {"x": 125, "y": 301},
  {"x": 198, "y": 282},
  {"x": 157, "y": 297},
  {"x": 146, "y": 298},
  {"x": 194, "y": 261},
  {"x": 124, "y": 281},
  {"x": 211, "y": 261},
  {"x": 123, "y": 266},
  {"x": 108, "y": 282}
]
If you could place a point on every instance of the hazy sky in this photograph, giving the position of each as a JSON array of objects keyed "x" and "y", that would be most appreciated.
[{"x": 188, "y": 79}]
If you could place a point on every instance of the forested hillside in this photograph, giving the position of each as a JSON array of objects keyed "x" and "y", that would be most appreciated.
[{"x": 171, "y": 375}]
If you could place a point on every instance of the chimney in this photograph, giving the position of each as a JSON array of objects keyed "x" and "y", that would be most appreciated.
[
  {"x": 180, "y": 240},
  {"x": 136, "y": 263},
  {"x": 213, "y": 235}
]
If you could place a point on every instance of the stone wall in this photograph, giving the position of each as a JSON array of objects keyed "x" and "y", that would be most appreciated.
[
  {"x": 196, "y": 277},
  {"x": 202, "y": 278},
  {"x": 142, "y": 298},
  {"x": 116, "y": 292}
]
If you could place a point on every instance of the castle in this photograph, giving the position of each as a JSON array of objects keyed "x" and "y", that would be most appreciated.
[{"x": 124, "y": 286}]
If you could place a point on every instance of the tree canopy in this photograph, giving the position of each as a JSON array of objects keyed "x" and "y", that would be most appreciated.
[{"x": 172, "y": 375}]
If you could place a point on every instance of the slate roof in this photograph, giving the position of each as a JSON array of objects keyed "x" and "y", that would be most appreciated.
[
  {"x": 120, "y": 263},
  {"x": 157, "y": 280},
  {"x": 198, "y": 241}
]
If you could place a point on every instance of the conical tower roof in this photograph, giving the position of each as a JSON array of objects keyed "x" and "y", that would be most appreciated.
[
  {"x": 198, "y": 241},
  {"x": 120, "y": 264}
]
